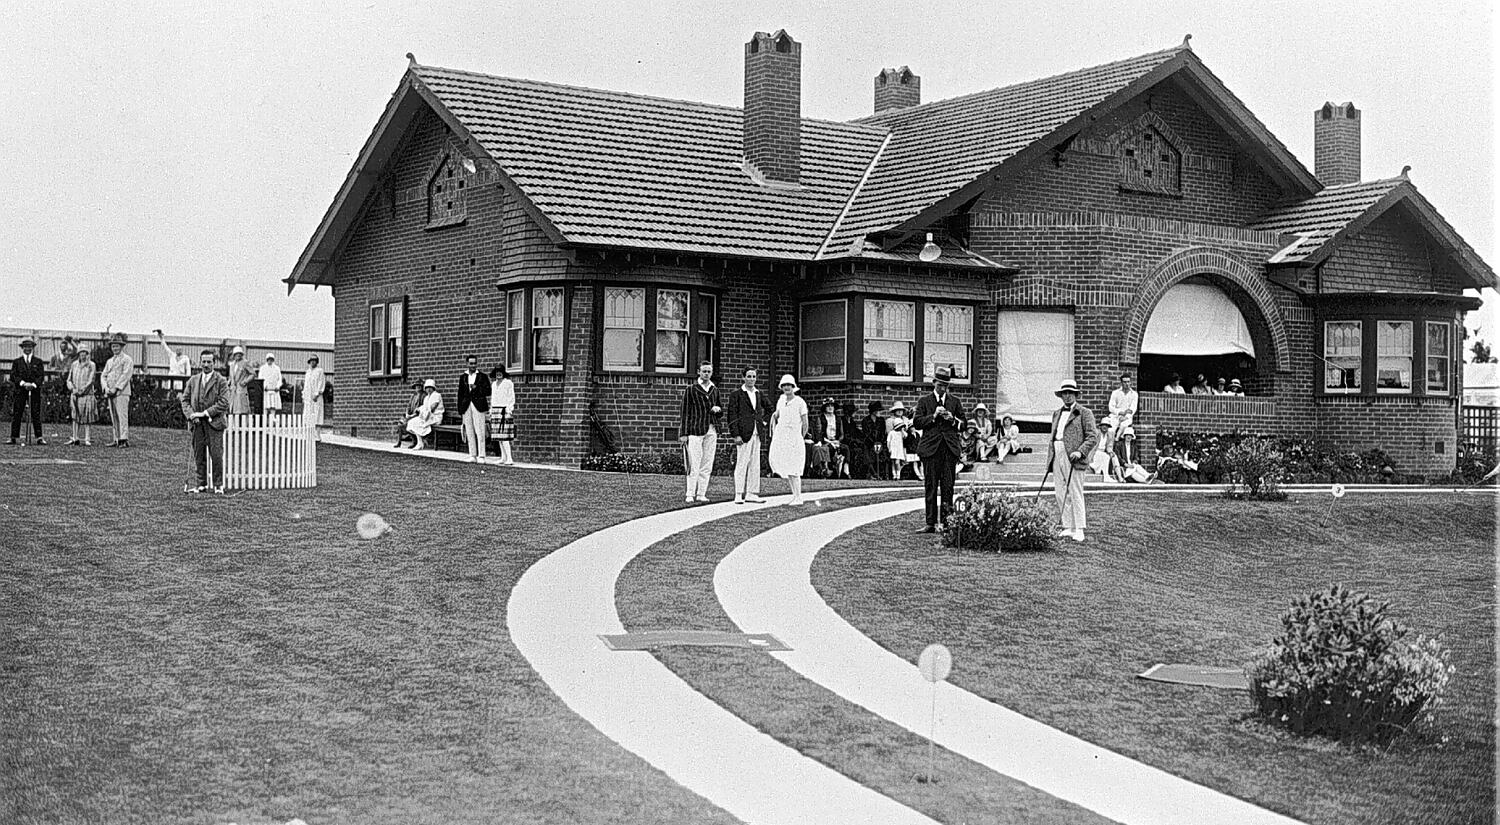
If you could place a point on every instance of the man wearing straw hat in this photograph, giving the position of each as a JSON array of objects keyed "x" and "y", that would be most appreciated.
[
  {"x": 204, "y": 403},
  {"x": 115, "y": 381},
  {"x": 1074, "y": 437}
]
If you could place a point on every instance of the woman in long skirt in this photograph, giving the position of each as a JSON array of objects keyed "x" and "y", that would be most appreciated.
[
  {"x": 81, "y": 395},
  {"x": 502, "y": 413},
  {"x": 789, "y": 437}
]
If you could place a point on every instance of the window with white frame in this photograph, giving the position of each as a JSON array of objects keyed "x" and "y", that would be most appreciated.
[
  {"x": 547, "y": 328},
  {"x": 1393, "y": 356},
  {"x": 947, "y": 340},
  {"x": 515, "y": 330},
  {"x": 377, "y": 339},
  {"x": 672, "y": 319},
  {"x": 1343, "y": 351},
  {"x": 388, "y": 337},
  {"x": 824, "y": 339},
  {"x": 624, "y": 328},
  {"x": 1439, "y": 335},
  {"x": 890, "y": 336},
  {"x": 708, "y": 327}
]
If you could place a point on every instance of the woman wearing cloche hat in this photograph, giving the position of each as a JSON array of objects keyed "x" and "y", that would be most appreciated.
[
  {"x": 240, "y": 375},
  {"x": 789, "y": 437}
]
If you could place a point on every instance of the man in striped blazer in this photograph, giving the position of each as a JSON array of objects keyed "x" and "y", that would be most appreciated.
[
  {"x": 699, "y": 433},
  {"x": 204, "y": 403}
]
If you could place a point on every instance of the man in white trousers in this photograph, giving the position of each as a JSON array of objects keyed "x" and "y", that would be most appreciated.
[
  {"x": 1074, "y": 437},
  {"x": 747, "y": 416},
  {"x": 699, "y": 433},
  {"x": 474, "y": 405}
]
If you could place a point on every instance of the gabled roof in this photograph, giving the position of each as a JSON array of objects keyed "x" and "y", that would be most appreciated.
[
  {"x": 943, "y": 154},
  {"x": 1323, "y": 222}
]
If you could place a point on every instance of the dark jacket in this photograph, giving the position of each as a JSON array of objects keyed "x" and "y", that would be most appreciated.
[
  {"x": 817, "y": 428},
  {"x": 479, "y": 396},
  {"x": 939, "y": 433},
  {"x": 1079, "y": 435},
  {"x": 208, "y": 394},
  {"x": 22, "y": 371},
  {"x": 745, "y": 420}
]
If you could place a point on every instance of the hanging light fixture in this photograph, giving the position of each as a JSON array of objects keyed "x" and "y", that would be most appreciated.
[{"x": 930, "y": 251}]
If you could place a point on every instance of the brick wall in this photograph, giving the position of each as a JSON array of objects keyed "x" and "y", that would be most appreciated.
[
  {"x": 1419, "y": 434},
  {"x": 773, "y": 106},
  {"x": 1336, "y": 144}
]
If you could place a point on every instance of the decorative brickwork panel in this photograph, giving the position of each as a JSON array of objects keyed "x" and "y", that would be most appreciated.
[
  {"x": 1150, "y": 157},
  {"x": 448, "y": 186}
]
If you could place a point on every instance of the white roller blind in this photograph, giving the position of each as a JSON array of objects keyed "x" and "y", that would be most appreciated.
[
  {"x": 1036, "y": 355},
  {"x": 1196, "y": 319}
]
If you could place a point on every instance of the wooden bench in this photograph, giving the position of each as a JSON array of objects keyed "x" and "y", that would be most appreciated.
[{"x": 447, "y": 433}]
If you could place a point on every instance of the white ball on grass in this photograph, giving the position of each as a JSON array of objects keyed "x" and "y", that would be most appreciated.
[{"x": 371, "y": 526}]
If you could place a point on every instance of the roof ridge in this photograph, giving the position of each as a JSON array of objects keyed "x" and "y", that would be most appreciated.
[
  {"x": 418, "y": 69},
  {"x": 949, "y": 100}
]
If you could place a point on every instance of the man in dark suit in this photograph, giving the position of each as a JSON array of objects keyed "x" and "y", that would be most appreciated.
[
  {"x": 473, "y": 404},
  {"x": 204, "y": 403},
  {"x": 748, "y": 413},
  {"x": 26, "y": 375},
  {"x": 940, "y": 418}
]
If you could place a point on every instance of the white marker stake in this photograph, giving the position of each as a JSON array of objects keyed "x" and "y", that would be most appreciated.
[{"x": 934, "y": 664}]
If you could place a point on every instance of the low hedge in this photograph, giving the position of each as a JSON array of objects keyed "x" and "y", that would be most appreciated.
[{"x": 1296, "y": 460}]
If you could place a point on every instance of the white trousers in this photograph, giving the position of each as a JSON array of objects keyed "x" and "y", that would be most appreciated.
[
  {"x": 700, "y": 461},
  {"x": 1069, "y": 488},
  {"x": 119, "y": 416},
  {"x": 473, "y": 430},
  {"x": 747, "y": 467}
]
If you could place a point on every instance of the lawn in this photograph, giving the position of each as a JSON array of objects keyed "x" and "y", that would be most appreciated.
[
  {"x": 1060, "y": 637},
  {"x": 249, "y": 659}
]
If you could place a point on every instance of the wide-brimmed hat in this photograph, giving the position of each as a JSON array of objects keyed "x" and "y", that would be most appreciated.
[
  {"x": 1235, "y": 383},
  {"x": 876, "y": 406},
  {"x": 1068, "y": 386},
  {"x": 942, "y": 374},
  {"x": 429, "y": 384},
  {"x": 237, "y": 351},
  {"x": 28, "y": 342},
  {"x": 1109, "y": 421},
  {"x": 787, "y": 379},
  {"x": 898, "y": 406},
  {"x": 980, "y": 406}
]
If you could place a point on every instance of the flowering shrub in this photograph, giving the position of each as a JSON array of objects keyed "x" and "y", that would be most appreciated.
[
  {"x": 1301, "y": 460},
  {"x": 1255, "y": 469},
  {"x": 1342, "y": 669},
  {"x": 996, "y": 521}
]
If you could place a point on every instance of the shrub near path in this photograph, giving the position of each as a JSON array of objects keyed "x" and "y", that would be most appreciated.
[{"x": 169, "y": 659}]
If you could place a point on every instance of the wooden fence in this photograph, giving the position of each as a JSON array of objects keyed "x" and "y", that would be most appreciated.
[
  {"x": 265, "y": 452},
  {"x": 1480, "y": 428}
]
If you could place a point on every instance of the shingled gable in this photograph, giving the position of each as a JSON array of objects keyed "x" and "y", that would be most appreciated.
[
  {"x": 942, "y": 155},
  {"x": 1320, "y": 224}
]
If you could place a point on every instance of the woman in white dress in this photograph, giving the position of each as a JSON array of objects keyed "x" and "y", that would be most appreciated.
[
  {"x": 789, "y": 437},
  {"x": 270, "y": 379},
  {"x": 896, "y": 428}
]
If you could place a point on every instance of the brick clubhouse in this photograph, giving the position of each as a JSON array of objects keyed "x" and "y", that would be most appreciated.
[{"x": 1132, "y": 217}]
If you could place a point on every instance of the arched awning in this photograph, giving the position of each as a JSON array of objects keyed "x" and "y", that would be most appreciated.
[{"x": 1196, "y": 319}]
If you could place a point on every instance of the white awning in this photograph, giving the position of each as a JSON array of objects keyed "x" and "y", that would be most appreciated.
[{"x": 1196, "y": 319}]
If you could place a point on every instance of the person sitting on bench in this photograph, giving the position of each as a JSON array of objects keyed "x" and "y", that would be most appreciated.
[{"x": 429, "y": 414}]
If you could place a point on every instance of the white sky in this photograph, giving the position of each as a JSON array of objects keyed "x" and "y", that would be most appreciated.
[{"x": 166, "y": 162}]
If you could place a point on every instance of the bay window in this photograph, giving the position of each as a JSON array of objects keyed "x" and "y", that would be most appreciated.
[
  {"x": 1439, "y": 356},
  {"x": 624, "y": 328},
  {"x": 947, "y": 339},
  {"x": 1343, "y": 352},
  {"x": 672, "y": 330},
  {"x": 515, "y": 330},
  {"x": 823, "y": 339},
  {"x": 1393, "y": 356},
  {"x": 655, "y": 329},
  {"x": 890, "y": 337},
  {"x": 547, "y": 328},
  {"x": 898, "y": 336}
]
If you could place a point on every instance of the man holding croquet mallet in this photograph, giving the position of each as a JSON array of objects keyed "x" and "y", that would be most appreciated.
[
  {"x": 1074, "y": 437},
  {"x": 204, "y": 403}
]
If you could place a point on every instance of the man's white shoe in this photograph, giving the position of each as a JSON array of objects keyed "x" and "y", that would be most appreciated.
[
  {"x": 688, "y": 500},
  {"x": 1078, "y": 534},
  {"x": 701, "y": 498},
  {"x": 754, "y": 499},
  {"x": 1064, "y": 533}
]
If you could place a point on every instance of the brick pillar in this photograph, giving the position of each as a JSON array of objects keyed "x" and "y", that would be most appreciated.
[
  {"x": 1336, "y": 144},
  {"x": 773, "y": 106},
  {"x": 897, "y": 89},
  {"x": 578, "y": 380}
]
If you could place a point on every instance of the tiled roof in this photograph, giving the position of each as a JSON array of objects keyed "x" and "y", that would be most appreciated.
[
  {"x": 1316, "y": 220},
  {"x": 617, "y": 169},
  {"x": 938, "y": 148}
]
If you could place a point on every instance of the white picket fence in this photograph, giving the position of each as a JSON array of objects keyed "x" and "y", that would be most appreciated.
[{"x": 268, "y": 452}]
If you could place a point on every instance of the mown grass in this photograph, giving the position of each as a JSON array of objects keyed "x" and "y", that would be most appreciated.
[
  {"x": 166, "y": 658},
  {"x": 1060, "y": 636}
]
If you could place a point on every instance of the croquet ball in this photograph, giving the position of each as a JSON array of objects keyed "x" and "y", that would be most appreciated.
[{"x": 371, "y": 526}]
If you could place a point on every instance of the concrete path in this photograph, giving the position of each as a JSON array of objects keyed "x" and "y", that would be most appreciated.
[
  {"x": 554, "y": 614},
  {"x": 765, "y": 585}
]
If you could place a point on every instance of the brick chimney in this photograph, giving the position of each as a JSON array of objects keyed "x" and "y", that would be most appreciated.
[
  {"x": 897, "y": 89},
  {"x": 773, "y": 106},
  {"x": 1336, "y": 144}
]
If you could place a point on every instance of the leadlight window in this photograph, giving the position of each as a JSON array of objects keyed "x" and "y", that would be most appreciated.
[
  {"x": 1439, "y": 359},
  {"x": 824, "y": 340},
  {"x": 672, "y": 330},
  {"x": 890, "y": 334},
  {"x": 624, "y": 328},
  {"x": 1393, "y": 356},
  {"x": 947, "y": 340},
  {"x": 547, "y": 328},
  {"x": 1343, "y": 351}
]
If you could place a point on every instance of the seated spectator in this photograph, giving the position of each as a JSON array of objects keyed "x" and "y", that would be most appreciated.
[
  {"x": 412, "y": 404},
  {"x": 1201, "y": 386},
  {"x": 428, "y": 415},
  {"x": 874, "y": 431},
  {"x": 1236, "y": 388},
  {"x": 968, "y": 445},
  {"x": 1175, "y": 385},
  {"x": 1009, "y": 439},
  {"x": 1221, "y": 387},
  {"x": 1104, "y": 461},
  {"x": 826, "y": 435},
  {"x": 987, "y": 439},
  {"x": 856, "y": 448}
]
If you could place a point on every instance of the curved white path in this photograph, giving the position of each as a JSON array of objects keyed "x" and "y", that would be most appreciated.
[
  {"x": 556, "y": 611},
  {"x": 765, "y": 585}
]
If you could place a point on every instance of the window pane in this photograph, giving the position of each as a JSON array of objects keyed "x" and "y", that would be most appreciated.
[
  {"x": 671, "y": 350},
  {"x": 625, "y": 308},
  {"x": 1437, "y": 357},
  {"x": 948, "y": 324},
  {"x": 887, "y": 359},
  {"x": 515, "y": 309},
  {"x": 890, "y": 320},
  {"x": 1342, "y": 348},
  {"x": 377, "y": 338},
  {"x": 823, "y": 358},
  {"x": 547, "y": 307},
  {"x": 823, "y": 320},
  {"x": 396, "y": 329},
  {"x": 622, "y": 349},
  {"x": 710, "y": 321},
  {"x": 706, "y": 347},
  {"x": 513, "y": 349},
  {"x": 548, "y": 347},
  {"x": 953, "y": 356},
  {"x": 671, "y": 309},
  {"x": 1393, "y": 343}
]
